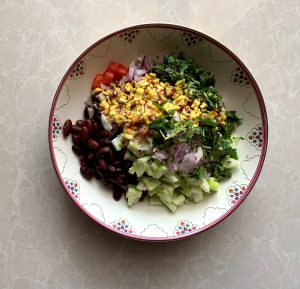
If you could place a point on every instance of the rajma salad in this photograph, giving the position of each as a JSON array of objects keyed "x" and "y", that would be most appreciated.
[{"x": 156, "y": 131}]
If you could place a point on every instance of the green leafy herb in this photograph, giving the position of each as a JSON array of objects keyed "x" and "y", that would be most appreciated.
[
  {"x": 199, "y": 84},
  {"x": 199, "y": 173},
  {"x": 161, "y": 124},
  {"x": 232, "y": 121},
  {"x": 207, "y": 121},
  {"x": 216, "y": 140}
]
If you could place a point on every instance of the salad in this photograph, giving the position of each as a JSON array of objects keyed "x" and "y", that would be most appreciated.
[{"x": 169, "y": 125}]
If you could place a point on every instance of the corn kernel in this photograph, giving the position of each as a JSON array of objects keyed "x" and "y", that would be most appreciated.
[{"x": 96, "y": 90}]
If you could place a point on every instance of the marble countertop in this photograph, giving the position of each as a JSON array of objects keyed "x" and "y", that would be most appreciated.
[{"x": 47, "y": 242}]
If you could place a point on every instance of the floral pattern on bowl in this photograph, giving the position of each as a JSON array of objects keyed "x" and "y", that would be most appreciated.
[
  {"x": 155, "y": 223},
  {"x": 255, "y": 137},
  {"x": 235, "y": 193},
  {"x": 73, "y": 187},
  {"x": 122, "y": 225},
  {"x": 184, "y": 228}
]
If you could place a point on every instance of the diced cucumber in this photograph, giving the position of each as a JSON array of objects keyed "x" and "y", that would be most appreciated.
[
  {"x": 139, "y": 167},
  {"x": 204, "y": 185},
  {"x": 179, "y": 200},
  {"x": 155, "y": 201},
  {"x": 134, "y": 148},
  {"x": 149, "y": 170},
  {"x": 131, "y": 170},
  {"x": 129, "y": 156},
  {"x": 172, "y": 207},
  {"x": 151, "y": 183},
  {"x": 157, "y": 174},
  {"x": 154, "y": 166},
  {"x": 196, "y": 194},
  {"x": 144, "y": 159},
  {"x": 133, "y": 195},
  {"x": 213, "y": 184},
  {"x": 170, "y": 178},
  {"x": 186, "y": 188},
  {"x": 141, "y": 186},
  {"x": 165, "y": 192}
]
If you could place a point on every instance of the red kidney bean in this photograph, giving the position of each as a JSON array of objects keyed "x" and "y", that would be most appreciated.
[
  {"x": 99, "y": 171},
  {"x": 76, "y": 149},
  {"x": 105, "y": 142},
  {"x": 97, "y": 118},
  {"x": 117, "y": 180},
  {"x": 122, "y": 186},
  {"x": 117, "y": 193},
  {"x": 117, "y": 163},
  {"x": 90, "y": 156},
  {"x": 67, "y": 127},
  {"x": 102, "y": 164},
  {"x": 83, "y": 161},
  {"x": 76, "y": 139},
  {"x": 93, "y": 144},
  {"x": 86, "y": 173},
  {"x": 104, "y": 150},
  {"x": 102, "y": 134},
  {"x": 80, "y": 123},
  {"x": 89, "y": 126},
  {"x": 112, "y": 169},
  {"x": 126, "y": 165},
  {"x": 76, "y": 129},
  {"x": 96, "y": 126},
  {"x": 84, "y": 133}
]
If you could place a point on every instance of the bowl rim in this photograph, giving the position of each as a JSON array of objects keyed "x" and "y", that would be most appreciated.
[{"x": 258, "y": 94}]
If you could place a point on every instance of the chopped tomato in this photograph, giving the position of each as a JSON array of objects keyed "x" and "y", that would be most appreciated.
[
  {"x": 122, "y": 66},
  {"x": 122, "y": 71},
  {"x": 112, "y": 67},
  {"x": 108, "y": 78},
  {"x": 114, "y": 71},
  {"x": 97, "y": 81}
]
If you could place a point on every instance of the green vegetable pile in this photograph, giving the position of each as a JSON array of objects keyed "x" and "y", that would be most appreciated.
[{"x": 181, "y": 161}]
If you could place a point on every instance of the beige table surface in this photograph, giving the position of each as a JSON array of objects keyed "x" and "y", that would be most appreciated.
[{"x": 46, "y": 242}]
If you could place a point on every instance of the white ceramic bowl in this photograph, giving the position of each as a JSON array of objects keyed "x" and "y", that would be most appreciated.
[{"x": 233, "y": 81}]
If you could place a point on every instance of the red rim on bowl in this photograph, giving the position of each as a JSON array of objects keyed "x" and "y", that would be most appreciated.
[{"x": 262, "y": 111}]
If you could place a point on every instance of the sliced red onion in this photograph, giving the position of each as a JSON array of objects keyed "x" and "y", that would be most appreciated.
[
  {"x": 136, "y": 78},
  {"x": 160, "y": 155},
  {"x": 147, "y": 63},
  {"x": 140, "y": 71},
  {"x": 190, "y": 161},
  {"x": 172, "y": 167},
  {"x": 124, "y": 79},
  {"x": 179, "y": 151},
  {"x": 131, "y": 72},
  {"x": 139, "y": 61}
]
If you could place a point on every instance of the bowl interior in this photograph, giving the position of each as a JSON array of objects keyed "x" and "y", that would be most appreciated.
[{"x": 233, "y": 82}]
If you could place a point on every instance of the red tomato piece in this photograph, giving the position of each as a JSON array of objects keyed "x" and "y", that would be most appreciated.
[
  {"x": 108, "y": 78},
  {"x": 97, "y": 81},
  {"x": 122, "y": 66},
  {"x": 122, "y": 71},
  {"x": 112, "y": 67}
]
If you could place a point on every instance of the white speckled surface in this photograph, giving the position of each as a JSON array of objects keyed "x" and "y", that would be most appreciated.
[{"x": 46, "y": 242}]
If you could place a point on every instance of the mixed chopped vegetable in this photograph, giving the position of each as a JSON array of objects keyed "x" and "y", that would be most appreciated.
[{"x": 173, "y": 126}]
